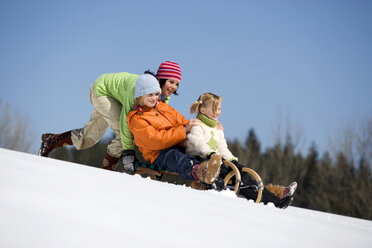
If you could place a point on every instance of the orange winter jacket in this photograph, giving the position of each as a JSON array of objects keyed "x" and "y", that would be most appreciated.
[{"x": 155, "y": 129}]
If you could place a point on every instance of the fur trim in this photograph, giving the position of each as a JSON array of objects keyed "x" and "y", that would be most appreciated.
[{"x": 276, "y": 190}]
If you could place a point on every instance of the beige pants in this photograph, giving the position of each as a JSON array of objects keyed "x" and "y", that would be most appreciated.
[{"x": 106, "y": 113}]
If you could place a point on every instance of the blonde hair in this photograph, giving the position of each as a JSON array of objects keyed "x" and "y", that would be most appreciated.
[
  {"x": 139, "y": 101},
  {"x": 205, "y": 100}
]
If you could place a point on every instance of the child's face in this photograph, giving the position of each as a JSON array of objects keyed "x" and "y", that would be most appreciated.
[
  {"x": 170, "y": 86},
  {"x": 150, "y": 100},
  {"x": 209, "y": 112}
]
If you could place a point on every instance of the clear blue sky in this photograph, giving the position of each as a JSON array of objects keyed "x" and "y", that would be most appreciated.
[{"x": 308, "y": 61}]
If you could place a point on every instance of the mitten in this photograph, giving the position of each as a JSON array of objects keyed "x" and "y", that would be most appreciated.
[{"x": 128, "y": 157}]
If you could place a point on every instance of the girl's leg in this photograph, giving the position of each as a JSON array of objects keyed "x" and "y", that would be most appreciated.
[
  {"x": 95, "y": 128},
  {"x": 110, "y": 111},
  {"x": 106, "y": 113},
  {"x": 279, "y": 195},
  {"x": 177, "y": 160},
  {"x": 82, "y": 138},
  {"x": 91, "y": 133},
  {"x": 267, "y": 195}
]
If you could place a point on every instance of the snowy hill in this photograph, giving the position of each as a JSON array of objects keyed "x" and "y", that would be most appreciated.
[{"x": 50, "y": 203}]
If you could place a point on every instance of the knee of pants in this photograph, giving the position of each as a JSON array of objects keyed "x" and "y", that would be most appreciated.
[{"x": 177, "y": 161}]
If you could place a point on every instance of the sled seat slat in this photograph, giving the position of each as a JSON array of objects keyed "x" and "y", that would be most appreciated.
[
  {"x": 150, "y": 166},
  {"x": 152, "y": 170}
]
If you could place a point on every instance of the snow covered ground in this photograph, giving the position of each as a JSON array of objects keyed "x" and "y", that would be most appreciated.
[{"x": 50, "y": 203}]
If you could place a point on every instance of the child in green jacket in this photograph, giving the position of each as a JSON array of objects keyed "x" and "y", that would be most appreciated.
[{"x": 112, "y": 96}]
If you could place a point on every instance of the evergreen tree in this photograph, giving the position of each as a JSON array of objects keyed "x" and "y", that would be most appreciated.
[
  {"x": 342, "y": 186},
  {"x": 308, "y": 181},
  {"x": 324, "y": 182},
  {"x": 363, "y": 191},
  {"x": 252, "y": 154}
]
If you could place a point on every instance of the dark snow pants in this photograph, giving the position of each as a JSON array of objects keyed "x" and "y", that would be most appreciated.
[
  {"x": 176, "y": 159},
  {"x": 249, "y": 193}
]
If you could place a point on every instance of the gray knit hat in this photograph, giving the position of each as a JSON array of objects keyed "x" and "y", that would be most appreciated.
[{"x": 146, "y": 84}]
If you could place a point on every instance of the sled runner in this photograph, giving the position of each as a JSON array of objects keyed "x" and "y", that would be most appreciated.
[{"x": 155, "y": 172}]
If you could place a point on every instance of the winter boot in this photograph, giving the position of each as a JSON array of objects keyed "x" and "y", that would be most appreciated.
[
  {"x": 251, "y": 194},
  {"x": 50, "y": 141},
  {"x": 280, "y": 191},
  {"x": 284, "y": 202},
  {"x": 276, "y": 190},
  {"x": 110, "y": 162},
  {"x": 198, "y": 185},
  {"x": 208, "y": 171},
  {"x": 267, "y": 197},
  {"x": 289, "y": 190}
]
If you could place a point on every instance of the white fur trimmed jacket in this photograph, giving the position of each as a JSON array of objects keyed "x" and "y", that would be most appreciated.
[{"x": 206, "y": 138}]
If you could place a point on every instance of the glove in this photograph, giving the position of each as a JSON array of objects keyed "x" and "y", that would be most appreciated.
[
  {"x": 128, "y": 157},
  {"x": 209, "y": 155}
]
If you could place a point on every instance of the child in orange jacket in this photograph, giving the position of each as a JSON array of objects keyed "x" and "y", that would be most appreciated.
[{"x": 159, "y": 131}]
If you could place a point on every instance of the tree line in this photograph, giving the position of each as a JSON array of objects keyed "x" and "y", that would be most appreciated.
[{"x": 336, "y": 185}]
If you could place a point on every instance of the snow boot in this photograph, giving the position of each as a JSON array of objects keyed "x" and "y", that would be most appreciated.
[
  {"x": 280, "y": 191},
  {"x": 289, "y": 190},
  {"x": 110, "y": 162},
  {"x": 198, "y": 185},
  {"x": 50, "y": 141},
  {"x": 284, "y": 202},
  {"x": 208, "y": 171},
  {"x": 251, "y": 194},
  {"x": 276, "y": 190},
  {"x": 267, "y": 197}
]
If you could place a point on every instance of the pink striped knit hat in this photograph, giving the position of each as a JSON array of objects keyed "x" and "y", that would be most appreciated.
[{"x": 169, "y": 70}]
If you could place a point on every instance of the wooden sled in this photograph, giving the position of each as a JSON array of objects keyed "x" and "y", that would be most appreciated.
[{"x": 155, "y": 172}]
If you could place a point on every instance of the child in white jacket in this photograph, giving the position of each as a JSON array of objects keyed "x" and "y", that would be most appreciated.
[
  {"x": 208, "y": 138},
  {"x": 205, "y": 139}
]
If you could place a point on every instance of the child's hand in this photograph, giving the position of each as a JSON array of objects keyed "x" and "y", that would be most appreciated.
[
  {"x": 219, "y": 126},
  {"x": 192, "y": 122}
]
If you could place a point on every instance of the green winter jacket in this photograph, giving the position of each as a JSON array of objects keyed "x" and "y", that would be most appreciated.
[{"x": 120, "y": 86}]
